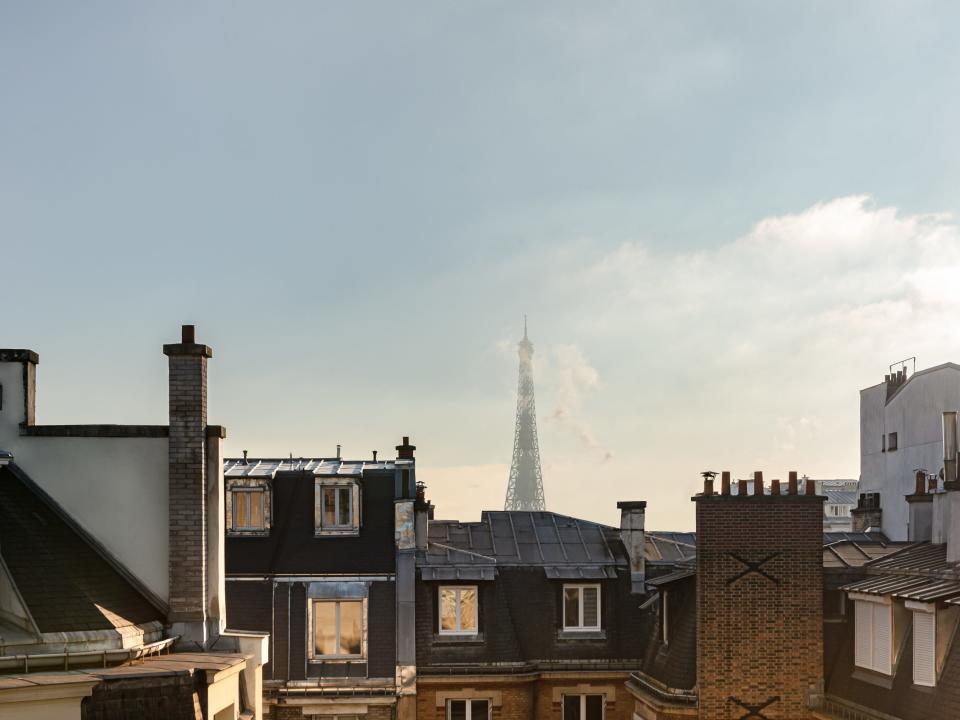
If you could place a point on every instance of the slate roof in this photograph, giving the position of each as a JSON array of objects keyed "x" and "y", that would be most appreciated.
[{"x": 65, "y": 582}]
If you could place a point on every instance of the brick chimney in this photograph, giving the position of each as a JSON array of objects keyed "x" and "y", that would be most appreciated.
[
  {"x": 632, "y": 535},
  {"x": 405, "y": 451},
  {"x": 187, "y": 461},
  {"x": 759, "y": 602}
]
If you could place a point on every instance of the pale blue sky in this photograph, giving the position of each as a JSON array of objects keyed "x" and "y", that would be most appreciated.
[{"x": 356, "y": 202}]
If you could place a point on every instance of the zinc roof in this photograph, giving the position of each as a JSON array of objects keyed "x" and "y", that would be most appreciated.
[
  {"x": 913, "y": 558},
  {"x": 884, "y": 585},
  {"x": 269, "y": 467}
]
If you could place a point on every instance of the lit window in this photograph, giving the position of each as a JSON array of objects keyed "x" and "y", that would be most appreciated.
[
  {"x": 583, "y": 707},
  {"x": 248, "y": 510},
  {"x": 458, "y": 610},
  {"x": 581, "y": 607},
  {"x": 468, "y": 709},
  {"x": 337, "y": 507},
  {"x": 873, "y": 636},
  {"x": 338, "y": 629}
]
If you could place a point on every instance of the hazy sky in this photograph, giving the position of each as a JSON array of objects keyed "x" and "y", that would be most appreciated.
[{"x": 723, "y": 220}]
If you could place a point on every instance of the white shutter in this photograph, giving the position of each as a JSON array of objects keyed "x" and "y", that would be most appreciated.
[
  {"x": 924, "y": 649},
  {"x": 882, "y": 638},
  {"x": 863, "y": 631}
]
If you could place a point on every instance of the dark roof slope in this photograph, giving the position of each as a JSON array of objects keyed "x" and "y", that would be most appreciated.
[{"x": 66, "y": 584}]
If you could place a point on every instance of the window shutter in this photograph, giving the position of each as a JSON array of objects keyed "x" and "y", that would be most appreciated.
[
  {"x": 924, "y": 649},
  {"x": 881, "y": 638},
  {"x": 863, "y": 631}
]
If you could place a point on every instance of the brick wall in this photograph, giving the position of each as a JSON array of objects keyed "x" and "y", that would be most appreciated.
[
  {"x": 155, "y": 698},
  {"x": 759, "y": 632},
  {"x": 186, "y": 458}
]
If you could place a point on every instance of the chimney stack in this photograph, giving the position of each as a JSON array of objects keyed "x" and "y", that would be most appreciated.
[
  {"x": 632, "y": 535},
  {"x": 405, "y": 451},
  {"x": 920, "y": 510},
  {"x": 792, "y": 483},
  {"x": 725, "y": 482},
  {"x": 757, "y": 482},
  {"x": 187, "y": 459}
]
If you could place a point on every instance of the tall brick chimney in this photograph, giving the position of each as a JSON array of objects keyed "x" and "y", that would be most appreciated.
[
  {"x": 760, "y": 603},
  {"x": 187, "y": 461}
]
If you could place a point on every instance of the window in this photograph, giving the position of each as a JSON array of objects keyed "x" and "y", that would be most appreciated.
[
  {"x": 883, "y": 443},
  {"x": 458, "y": 610},
  {"x": 337, "y": 507},
  {"x": 338, "y": 629},
  {"x": 892, "y": 442},
  {"x": 247, "y": 506},
  {"x": 583, "y": 707},
  {"x": 248, "y": 510},
  {"x": 873, "y": 637},
  {"x": 468, "y": 709},
  {"x": 581, "y": 607},
  {"x": 925, "y": 648}
]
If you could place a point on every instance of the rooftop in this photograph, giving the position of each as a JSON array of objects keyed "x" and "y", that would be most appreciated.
[{"x": 269, "y": 467}]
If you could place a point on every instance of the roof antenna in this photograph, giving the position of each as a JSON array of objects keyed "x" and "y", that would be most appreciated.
[{"x": 524, "y": 326}]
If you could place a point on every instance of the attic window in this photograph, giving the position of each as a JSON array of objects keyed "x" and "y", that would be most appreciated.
[
  {"x": 891, "y": 442},
  {"x": 458, "y": 610},
  {"x": 874, "y": 636},
  {"x": 248, "y": 506},
  {"x": 581, "y": 607},
  {"x": 336, "y": 507}
]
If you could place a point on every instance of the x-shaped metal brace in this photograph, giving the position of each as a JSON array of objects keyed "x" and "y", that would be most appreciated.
[
  {"x": 753, "y": 567},
  {"x": 754, "y": 711}
]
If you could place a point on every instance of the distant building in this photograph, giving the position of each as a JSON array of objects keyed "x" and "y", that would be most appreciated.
[
  {"x": 841, "y": 499},
  {"x": 901, "y": 431}
]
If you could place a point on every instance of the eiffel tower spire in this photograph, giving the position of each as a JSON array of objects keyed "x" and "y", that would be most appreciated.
[{"x": 525, "y": 488}]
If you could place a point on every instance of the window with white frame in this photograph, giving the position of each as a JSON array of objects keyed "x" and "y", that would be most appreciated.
[
  {"x": 247, "y": 508},
  {"x": 338, "y": 629},
  {"x": 337, "y": 507},
  {"x": 468, "y": 709},
  {"x": 581, "y": 607},
  {"x": 458, "y": 609},
  {"x": 583, "y": 707},
  {"x": 873, "y": 631}
]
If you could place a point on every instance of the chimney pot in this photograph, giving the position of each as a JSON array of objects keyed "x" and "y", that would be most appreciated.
[
  {"x": 792, "y": 483},
  {"x": 708, "y": 486},
  {"x": 338, "y": 452},
  {"x": 774, "y": 487},
  {"x": 757, "y": 482},
  {"x": 725, "y": 482},
  {"x": 187, "y": 334},
  {"x": 741, "y": 488},
  {"x": 374, "y": 455},
  {"x": 245, "y": 458},
  {"x": 811, "y": 488}
]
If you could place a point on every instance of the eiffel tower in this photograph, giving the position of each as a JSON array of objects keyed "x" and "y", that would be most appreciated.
[{"x": 525, "y": 488}]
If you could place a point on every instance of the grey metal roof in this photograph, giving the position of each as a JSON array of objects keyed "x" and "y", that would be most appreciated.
[
  {"x": 840, "y": 497},
  {"x": 884, "y": 584},
  {"x": 670, "y": 547},
  {"x": 833, "y": 536},
  {"x": 523, "y": 538},
  {"x": 580, "y": 572},
  {"x": 913, "y": 558},
  {"x": 671, "y": 577},
  {"x": 931, "y": 591},
  {"x": 458, "y": 573},
  {"x": 269, "y": 467},
  {"x": 851, "y": 554}
]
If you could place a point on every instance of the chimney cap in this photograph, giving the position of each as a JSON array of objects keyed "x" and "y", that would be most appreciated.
[
  {"x": 631, "y": 504},
  {"x": 405, "y": 450},
  {"x": 188, "y": 344}
]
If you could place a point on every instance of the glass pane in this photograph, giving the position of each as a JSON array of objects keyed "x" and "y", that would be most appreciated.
[
  {"x": 448, "y": 609},
  {"x": 571, "y": 608},
  {"x": 345, "y": 517},
  {"x": 256, "y": 509},
  {"x": 351, "y": 628},
  {"x": 458, "y": 710},
  {"x": 594, "y": 707},
  {"x": 329, "y": 507},
  {"x": 591, "y": 613},
  {"x": 240, "y": 509},
  {"x": 479, "y": 710},
  {"x": 468, "y": 609},
  {"x": 571, "y": 707},
  {"x": 324, "y": 628}
]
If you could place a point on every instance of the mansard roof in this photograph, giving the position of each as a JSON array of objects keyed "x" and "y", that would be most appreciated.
[{"x": 65, "y": 581}]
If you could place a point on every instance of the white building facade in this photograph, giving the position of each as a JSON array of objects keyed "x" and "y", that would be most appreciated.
[{"x": 901, "y": 431}]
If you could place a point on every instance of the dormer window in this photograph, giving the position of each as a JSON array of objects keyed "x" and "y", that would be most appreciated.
[
  {"x": 248, "y": 506},
  {"x": 581, "y": 607},
  {"x": 336, "y": 507}
]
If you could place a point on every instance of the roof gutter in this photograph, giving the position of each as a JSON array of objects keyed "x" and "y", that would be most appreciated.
[{"x": 28, "y": 663}]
